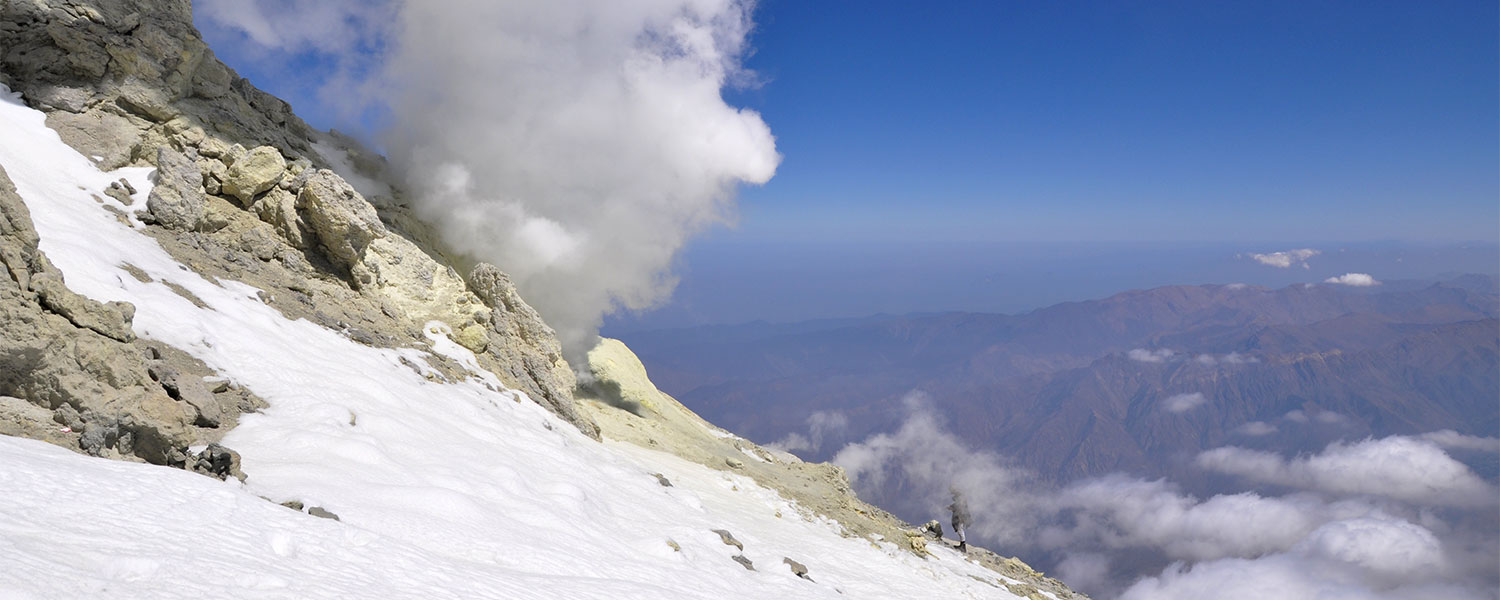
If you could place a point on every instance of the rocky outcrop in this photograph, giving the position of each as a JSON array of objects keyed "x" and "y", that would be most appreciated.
[
  {"x": 525, "y": 347},
  {"x": 73, "y": 372},
  {"x": 113, "y": 74},
  {"x": 131, "y": 82}
]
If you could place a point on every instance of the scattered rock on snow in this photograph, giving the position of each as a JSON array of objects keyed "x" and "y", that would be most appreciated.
[
  {"x": 748, "y": 564},
  {"x": 798, "y": 569},
  {"x": 728, "y": 539}
]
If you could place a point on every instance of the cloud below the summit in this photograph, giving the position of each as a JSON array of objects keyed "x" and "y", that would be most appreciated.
[
  {"x": 1402, "y": 468},
  {"x": 1361, "y": 526}
]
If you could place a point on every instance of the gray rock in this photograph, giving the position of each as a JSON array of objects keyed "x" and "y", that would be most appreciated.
[
  {"x": 256, "y": 172},
  {"x": 177, "y": 200},
  {"x": 662, "y": 479},
  {"x": 744, "y": 562},
  {"x": 111, "y": 137},
  {"x": 218, "y": 461},
  {"x": 207, "y": 410},
  {"x": 279, "y": 210},
  {"x": 318, "y": 511},
  {"x": 110, "y": 320},
  {"x": 798, "y": 569},
  {"x": 728, "y": 538},
  {"x": 341, "y": 219}
]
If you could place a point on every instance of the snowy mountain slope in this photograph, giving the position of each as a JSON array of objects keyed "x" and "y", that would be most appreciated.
[{"x": 441, "y": 485}]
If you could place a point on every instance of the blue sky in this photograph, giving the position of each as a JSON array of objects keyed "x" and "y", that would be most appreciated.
[{"x": 1128, "y": 120}]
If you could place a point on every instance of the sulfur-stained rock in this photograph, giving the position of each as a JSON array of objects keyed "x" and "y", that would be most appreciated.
[
  {"x": 278, "y": 208},
  {"x": 256, "y": 172}
]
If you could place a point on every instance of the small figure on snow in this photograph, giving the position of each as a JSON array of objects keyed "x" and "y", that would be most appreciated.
[{"x": 960, "y": 510}]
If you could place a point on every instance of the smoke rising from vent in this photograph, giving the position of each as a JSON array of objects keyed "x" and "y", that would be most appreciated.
[{"x": 575, "y": 144}]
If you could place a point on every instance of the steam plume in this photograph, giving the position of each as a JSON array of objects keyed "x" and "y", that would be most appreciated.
[{"x": 576, "y": 144}]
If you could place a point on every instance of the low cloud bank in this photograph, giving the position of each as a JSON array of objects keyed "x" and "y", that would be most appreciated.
[
  {"x": 1408, "y": 469},
  {"x": 1374, "y": 519}
]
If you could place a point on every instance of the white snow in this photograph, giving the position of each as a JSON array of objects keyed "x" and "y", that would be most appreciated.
[{"x": 445, "y": 489}]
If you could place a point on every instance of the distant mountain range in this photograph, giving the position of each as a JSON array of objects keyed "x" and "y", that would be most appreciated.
[{"x": 1139, "y": 381}]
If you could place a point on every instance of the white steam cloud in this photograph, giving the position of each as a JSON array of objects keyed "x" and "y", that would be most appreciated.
[
  {"x": 576, "y": 144},
  {"x": 1353, "y": 279},
  {"x": 1286, "y": 258},
  {"x": 822, "y": 426},
  {"x": 925, "y": 459}
]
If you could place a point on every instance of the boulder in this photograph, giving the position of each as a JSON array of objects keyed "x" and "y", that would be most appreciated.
[
  {"x": 340, "y": 218},
  {"x": 177, "y": 200},
  {"x": 259, "y": 170},
  {"x": 798, "y": 569}
]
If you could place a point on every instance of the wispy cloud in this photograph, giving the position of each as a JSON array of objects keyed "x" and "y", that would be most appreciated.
[
  {"x": 1182, "y": 403},
  {"x": 1151, "y": 356},
  {"x": 1287, "y": 258},
  {"x": 1233, "y": 358},
  {"x": 927, "y": 460},
  {"x": 1256, "y": 429},
  {"x": 1451, "y": 439},
  {"x": 822, "y": 426}
]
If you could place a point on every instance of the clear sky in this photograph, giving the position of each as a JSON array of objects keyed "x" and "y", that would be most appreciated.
[{"x": 1128, "y": 120}]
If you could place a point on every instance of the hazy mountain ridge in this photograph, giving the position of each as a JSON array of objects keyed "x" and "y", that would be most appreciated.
[{"x": 1058, "y": 385}]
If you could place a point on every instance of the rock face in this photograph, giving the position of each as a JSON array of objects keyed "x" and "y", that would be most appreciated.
[
  {"x": 93, "y": 386},
  {"x": 525, "y": 346},
  {"x": 131, "y": 82}
]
